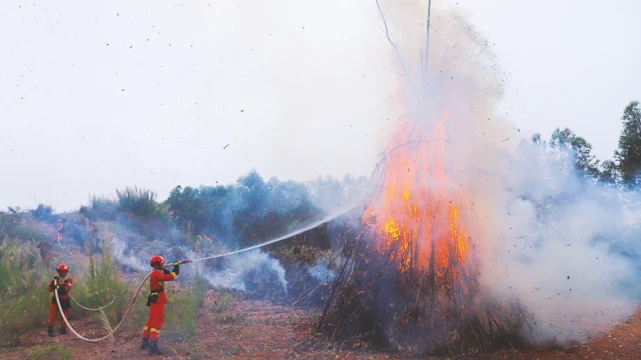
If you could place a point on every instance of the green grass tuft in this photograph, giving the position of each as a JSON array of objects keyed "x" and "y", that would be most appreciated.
[
  {"x": 24, "y": 299},
  {"x": 183, "y": 309},
  {"x": 101, "y": 284}
]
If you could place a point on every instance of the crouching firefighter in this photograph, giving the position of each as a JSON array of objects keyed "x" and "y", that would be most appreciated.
[
  {"x": 156, "y": 302},
  {"x": 62, "y": 284}
]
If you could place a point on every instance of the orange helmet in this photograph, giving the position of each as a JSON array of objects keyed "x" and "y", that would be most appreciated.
[
  {"x": 63, "y": 268},
  {"x": 159, "y": 260}
]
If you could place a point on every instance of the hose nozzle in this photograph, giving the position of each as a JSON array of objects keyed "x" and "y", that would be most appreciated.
[{"x": 176, "y": 263}]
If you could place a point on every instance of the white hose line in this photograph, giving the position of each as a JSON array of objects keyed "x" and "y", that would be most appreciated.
[
  {"x": 62, "y": 314},
  {"x": 60, "y": 244},
  {"x": 284, "y": 237},
  {"x": 86, "y": 308}
]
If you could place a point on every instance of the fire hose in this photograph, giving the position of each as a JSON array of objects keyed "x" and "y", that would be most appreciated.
[
  {"x": 59, "y": 237},
  {"x": 131, "y": 305},
  {"x": 111, "y": 332},
  {"x": 89, "y": 309}
]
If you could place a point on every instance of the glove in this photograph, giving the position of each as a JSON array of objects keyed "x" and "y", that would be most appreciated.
[
  {"x": 176, "y": 269},
  {"x": 53, "y": 286},
  {"x": 56, "y": 278}
]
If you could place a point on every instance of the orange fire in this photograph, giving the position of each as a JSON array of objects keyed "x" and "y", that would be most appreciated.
[{"x": 417, "y": 219}]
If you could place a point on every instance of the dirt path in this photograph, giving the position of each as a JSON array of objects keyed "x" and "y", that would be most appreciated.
[
  {"x": 260, "y": 330},
  {"x": 246, "y": 330}
]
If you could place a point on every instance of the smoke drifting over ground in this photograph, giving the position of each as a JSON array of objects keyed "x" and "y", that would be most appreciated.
[
  {"x": 236, "y": 220},
  {"x": 241, "y": 265},
  {"x": 545, "y": 234}
]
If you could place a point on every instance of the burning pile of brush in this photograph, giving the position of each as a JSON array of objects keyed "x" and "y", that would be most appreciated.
[{"x": 409, "y": 280}]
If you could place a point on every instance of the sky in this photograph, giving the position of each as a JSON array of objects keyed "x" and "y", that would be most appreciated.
[{"x": 97, "y": 97}]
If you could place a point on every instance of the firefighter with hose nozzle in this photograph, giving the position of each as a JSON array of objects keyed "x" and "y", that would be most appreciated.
[
  {"x": 62, "y": 284},
  {"x": 156, "y": 301}
]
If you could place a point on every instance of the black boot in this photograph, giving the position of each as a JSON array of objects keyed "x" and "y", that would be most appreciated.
[
  {"x": 63, "y": 331},
  {"x": 153, "y": 348},
  {"x": 145, "y": 343},
  {"x": 50, "y": 331}
]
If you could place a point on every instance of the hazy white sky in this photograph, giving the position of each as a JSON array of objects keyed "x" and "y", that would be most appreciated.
[{"x": 99, "y": 96}]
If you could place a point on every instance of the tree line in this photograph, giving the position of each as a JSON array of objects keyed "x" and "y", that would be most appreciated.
[
  {"x": 625, "y": 167},
  {"x": 243, "y": 213}
]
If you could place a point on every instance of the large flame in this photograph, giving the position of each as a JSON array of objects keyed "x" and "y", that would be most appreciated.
[{"x": 417, "y": 219}]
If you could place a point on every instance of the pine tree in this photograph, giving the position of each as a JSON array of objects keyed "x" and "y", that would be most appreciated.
[
  {"x": 584, "y": 160},
  {"x": 628, "y": 155}
]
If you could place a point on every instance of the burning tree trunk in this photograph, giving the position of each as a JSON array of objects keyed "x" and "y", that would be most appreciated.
[{"x": 410, "y": 279}]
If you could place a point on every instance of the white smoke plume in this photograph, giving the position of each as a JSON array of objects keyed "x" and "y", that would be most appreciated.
[
  {"x": 124, "y": 257},
  {"x": 321, "y": 270},
  {"x": 544, "y": 234}
]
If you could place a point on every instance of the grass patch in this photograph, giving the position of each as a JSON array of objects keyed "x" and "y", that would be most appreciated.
[
  {"x": 232, "y": 318},
  {"x": 223, "y": 303},
  {"x": 52, "y": 351},
  {"x": 100, "y": 285},
  {"x": 24, "y": 299},
  {"x": 183, "y": 309},
  {"x": 21, "y": 226}
]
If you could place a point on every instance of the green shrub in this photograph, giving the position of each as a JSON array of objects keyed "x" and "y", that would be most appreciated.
[
  {"x": 140, "y": 202},
  {"x": 183, "y": 309},
  {"x": 100, "y": 207},
  {"x": 102, "y": 203}
]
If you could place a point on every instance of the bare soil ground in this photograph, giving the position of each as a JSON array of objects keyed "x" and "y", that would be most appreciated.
[{"x": 260, "y": 330}]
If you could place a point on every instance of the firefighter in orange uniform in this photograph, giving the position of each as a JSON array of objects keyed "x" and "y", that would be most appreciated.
[
  {"x": 156, "y": 302},
  {"x": 63, "y": 287}
]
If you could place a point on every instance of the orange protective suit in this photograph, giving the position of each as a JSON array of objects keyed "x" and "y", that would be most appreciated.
[
  {"x": 64, "y": 286},
  {"x": 156, "y": 302}
]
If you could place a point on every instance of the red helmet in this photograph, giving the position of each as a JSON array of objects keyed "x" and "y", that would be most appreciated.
[
  {"x": 156, "y": 259},
  {"x": 63, "y": 268}
]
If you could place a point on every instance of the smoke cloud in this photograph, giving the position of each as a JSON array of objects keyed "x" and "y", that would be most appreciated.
[
  {"x": 234, "y": 276},
  {"x": 125, "y": 256},
  {"x": 545, "y": 235}
]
